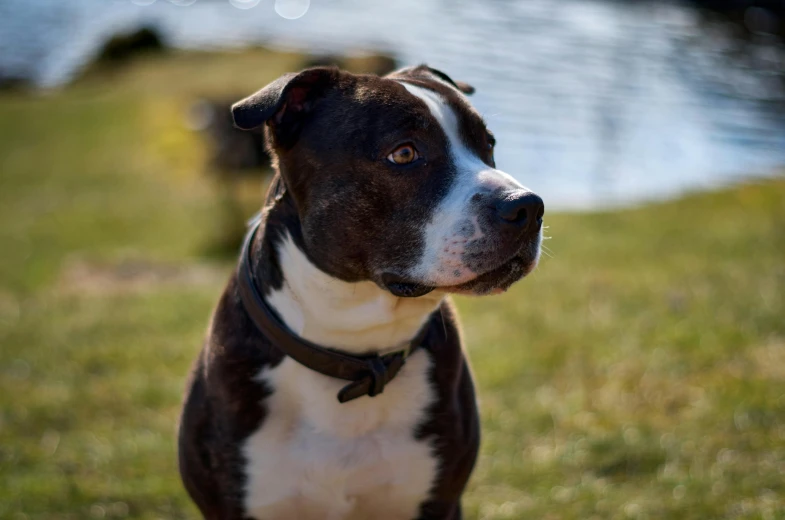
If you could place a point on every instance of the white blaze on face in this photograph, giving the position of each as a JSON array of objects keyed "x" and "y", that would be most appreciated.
[{"x": 453, "y": 224}]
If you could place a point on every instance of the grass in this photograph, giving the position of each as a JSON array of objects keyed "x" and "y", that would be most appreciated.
[{"x": 639, "y": 373}]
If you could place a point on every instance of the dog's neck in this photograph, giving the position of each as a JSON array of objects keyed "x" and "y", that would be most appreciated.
[{"x": 356, "y": 318}]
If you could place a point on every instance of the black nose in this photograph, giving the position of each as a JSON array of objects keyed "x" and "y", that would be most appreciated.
[{"x": 522, "y": 208}]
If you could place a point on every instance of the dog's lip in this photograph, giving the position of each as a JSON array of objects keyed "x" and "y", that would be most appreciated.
[
  {"x": 504, "y": 276},
  {"x": 495, "y": 281},
  {"x": 403, "y": 287}
]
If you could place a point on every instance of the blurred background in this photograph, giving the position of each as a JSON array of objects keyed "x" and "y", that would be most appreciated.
[{"x": 638, "y": 373}]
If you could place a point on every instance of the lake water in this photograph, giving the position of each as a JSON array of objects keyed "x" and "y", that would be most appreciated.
[{"x": 594, "y": 103}]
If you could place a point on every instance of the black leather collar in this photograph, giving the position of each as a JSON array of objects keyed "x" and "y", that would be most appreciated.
[{"x": 368, "y": 374}]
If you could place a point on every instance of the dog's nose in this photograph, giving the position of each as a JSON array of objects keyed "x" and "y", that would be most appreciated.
[{"x": 522, "y": 208}]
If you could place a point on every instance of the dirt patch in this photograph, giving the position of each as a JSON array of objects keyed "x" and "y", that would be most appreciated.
[
  {"x": 769, "y": 360},
  {"x": 134, "y": 276}
]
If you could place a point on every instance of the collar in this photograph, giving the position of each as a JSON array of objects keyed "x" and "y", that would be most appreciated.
[{"x": 368, "y": 374}]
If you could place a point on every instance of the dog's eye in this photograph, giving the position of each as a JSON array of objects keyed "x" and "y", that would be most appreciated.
[
  {"x": 491, "y": 142},
  {"x": 404, "y": 154}
]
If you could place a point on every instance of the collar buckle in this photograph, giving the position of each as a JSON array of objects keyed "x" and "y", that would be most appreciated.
[{"x": 378, "y": 376}]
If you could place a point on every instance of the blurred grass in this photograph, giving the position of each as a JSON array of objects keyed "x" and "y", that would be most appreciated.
[{"x": 638, "y": 373}]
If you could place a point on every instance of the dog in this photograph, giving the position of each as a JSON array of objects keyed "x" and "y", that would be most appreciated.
[{"x": 332, "y": 383}]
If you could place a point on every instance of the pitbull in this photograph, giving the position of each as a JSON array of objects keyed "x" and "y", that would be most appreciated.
[{"x": 332, "y": 383}]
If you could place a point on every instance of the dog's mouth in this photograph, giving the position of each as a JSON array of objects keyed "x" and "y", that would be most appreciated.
[
  {"x": 494, "y": 281},
  {"x": 404, "y": 288},
  {"x": 497, "y": 280}
]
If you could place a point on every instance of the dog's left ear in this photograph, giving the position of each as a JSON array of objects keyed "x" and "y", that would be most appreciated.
[
  {"x": 285, "y": 102},
  {"x": 460, "y": 85},
  {"x": 424, "y": 71}
]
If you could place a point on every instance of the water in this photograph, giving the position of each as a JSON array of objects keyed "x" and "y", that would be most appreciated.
[{"x": 594, "y": 103}]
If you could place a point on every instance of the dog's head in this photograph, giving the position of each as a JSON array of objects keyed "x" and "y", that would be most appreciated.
[{"x": 393, "y": 180}]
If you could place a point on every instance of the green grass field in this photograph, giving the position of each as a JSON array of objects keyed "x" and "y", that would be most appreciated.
[{"x": 638, "y": 373}]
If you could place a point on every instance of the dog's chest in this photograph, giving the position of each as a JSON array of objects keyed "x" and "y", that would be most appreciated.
[{"x": 314, "y": 457}]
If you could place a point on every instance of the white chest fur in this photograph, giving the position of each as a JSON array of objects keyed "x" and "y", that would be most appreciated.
[{"x": 315, "y": 458}]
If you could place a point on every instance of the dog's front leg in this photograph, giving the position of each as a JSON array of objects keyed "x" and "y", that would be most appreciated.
[{"x": 440, "y": 510}]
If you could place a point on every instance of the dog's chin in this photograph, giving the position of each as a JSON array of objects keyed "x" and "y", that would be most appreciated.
[{"x": 495, "y": 281}]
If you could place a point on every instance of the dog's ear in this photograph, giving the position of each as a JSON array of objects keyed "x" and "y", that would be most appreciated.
[
  {"x": 283, "y": 103},
  {"x": 423, "y": 71},
  {"x": 460, "y": 85}
]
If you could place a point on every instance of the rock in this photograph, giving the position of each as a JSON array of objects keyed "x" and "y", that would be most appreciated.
[
  {"x": 379, "y": 64},
  {"x": 122, "y": 47},
  {"x": 233, "y": 152}
]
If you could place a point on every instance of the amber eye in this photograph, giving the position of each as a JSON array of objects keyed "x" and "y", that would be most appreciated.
[{"x": 404, "y": 154}]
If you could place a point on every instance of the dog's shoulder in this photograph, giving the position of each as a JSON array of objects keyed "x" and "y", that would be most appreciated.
[
  {"x": 224, "y": 404},
  {"x": 453, "y": 417}
]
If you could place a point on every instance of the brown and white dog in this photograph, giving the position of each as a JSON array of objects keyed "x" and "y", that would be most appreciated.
[{"x": 386, "y": 199}]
